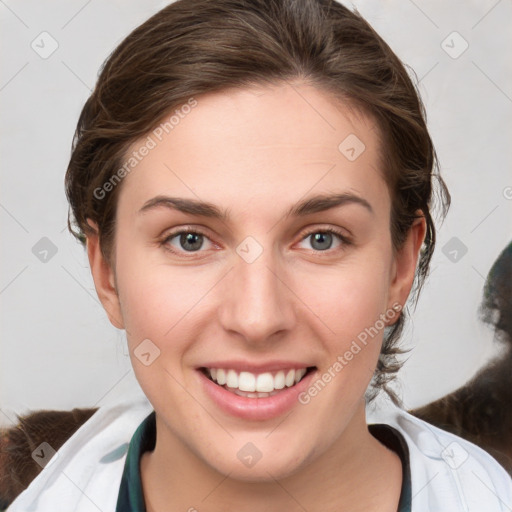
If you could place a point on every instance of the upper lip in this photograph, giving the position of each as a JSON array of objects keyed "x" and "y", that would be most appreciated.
[{"x": 246, "y": 366}]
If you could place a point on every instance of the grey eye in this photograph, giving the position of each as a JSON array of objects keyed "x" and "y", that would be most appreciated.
[
  {"x": 321, "y": 240},
  {"x": 324, "y": 239},
  {"x": 191, "y": 241},
  {"x": 187, "y": 241}
]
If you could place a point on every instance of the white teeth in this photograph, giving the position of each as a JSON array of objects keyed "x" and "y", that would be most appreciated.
[
  {"x": 246, "y": 382},
  {"x": 265, "y": 383},
  {"x": 252, "y": 385},
  {"x": 245, "y": 393},
  {"x": 299, "y": 374},
  {"x": 221, "y": 377},
  {"x": 232, "y": 379},
  {"x": 279, "y": 380}
]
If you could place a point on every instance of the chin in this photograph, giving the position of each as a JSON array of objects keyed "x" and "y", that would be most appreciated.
[
  {"x": 260, "y": 473},
  {"x": 249, "y": 464}
]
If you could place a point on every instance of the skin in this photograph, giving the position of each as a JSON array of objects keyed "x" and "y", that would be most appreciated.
[{"x": 257, "y": 152}]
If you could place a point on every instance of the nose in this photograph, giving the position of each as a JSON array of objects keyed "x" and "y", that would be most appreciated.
[{"x": 257, "y": 303}]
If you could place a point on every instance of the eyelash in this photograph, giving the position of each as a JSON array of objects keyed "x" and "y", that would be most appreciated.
[{"x": 343, "y": 238}]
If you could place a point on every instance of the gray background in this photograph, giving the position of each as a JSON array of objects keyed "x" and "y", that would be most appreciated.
[{"x": 58, "y": 349}]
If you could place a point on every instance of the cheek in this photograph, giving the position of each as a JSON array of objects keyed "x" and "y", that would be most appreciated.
[
  {"x": 163, "y": 303},
  {"x": 351, "y": 316},
  {"x": 346, "y": 299},
  {"x": 349, "y": 300},
  {"x": 160, "y": 304},
  {"x": 153, "y": 296}
]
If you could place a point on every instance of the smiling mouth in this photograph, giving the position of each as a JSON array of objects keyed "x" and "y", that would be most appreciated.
[{"x": 252, "y": 385}]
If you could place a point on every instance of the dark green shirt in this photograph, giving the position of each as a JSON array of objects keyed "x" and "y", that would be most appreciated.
[{"x": 131, "y": 497}]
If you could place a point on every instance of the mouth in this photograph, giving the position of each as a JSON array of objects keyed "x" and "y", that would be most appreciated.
[{"x": 257, "y": 385}]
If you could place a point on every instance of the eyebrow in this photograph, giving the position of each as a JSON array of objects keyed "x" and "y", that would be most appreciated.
[{"x": 315, "y": 204}]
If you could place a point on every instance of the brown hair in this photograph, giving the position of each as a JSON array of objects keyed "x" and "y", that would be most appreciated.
[{"x": 193, "y": 47}]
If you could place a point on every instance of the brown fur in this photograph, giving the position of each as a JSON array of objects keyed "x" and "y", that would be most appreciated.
[
  {"x": 17, "y": 467},
  {"x": 480, "y": 411}
]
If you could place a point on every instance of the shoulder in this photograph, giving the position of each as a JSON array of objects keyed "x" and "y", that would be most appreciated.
[
  {"x": 448, "y": 472},
  {"x": 87, "y": 469}
]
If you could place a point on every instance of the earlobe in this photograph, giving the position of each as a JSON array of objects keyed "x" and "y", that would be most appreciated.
[
  {"x": 404, "y": 265},
  {"x": 104, "y": 280}
]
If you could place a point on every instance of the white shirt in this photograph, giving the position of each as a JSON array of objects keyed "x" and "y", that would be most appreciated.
[{"x": 448, "y": 474}]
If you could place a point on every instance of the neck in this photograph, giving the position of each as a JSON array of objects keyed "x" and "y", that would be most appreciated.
[{"x": 356, "y": 473}]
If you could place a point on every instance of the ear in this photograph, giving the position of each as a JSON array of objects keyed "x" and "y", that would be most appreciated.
[
  {"x": 104, "y": 279},
  {"x": 404, "y": 264}
]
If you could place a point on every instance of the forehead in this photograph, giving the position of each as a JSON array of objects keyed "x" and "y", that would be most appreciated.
[{"x": 265, "y": 146}]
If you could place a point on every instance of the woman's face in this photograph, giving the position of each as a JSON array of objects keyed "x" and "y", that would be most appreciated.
[{"x": 261, "y": 286}]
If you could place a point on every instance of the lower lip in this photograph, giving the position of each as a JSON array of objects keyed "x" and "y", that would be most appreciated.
[{"x": 255, "y": 409}]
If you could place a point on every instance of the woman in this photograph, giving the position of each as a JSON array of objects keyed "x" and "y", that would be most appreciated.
[{"x": 253, "y": 183}]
